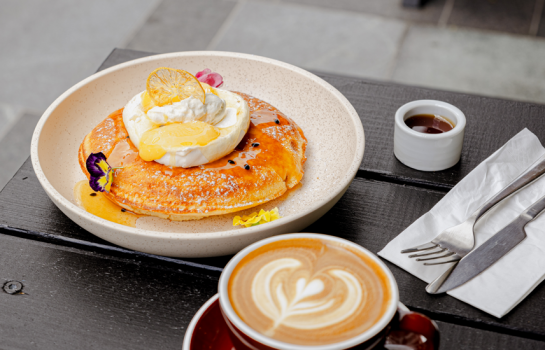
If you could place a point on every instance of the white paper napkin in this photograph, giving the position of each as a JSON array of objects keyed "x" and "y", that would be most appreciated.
[{"x": 506, "y": 283}]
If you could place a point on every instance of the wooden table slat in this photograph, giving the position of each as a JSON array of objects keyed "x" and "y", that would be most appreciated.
[{"x": 490, "y": 124}]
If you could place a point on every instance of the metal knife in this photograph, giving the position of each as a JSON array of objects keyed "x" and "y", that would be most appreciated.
[{"x": 489, "y": 252}]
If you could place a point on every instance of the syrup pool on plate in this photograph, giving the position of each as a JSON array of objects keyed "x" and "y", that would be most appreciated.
[{"x": 97, "y": 204}]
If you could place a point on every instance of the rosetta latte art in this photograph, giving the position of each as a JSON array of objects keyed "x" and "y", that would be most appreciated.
[
  {"x": 308, "y": 291},
  {"x": 268, "y": 293}
]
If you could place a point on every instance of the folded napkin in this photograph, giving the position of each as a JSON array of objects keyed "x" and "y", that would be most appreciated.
[{"x": 506, "y": 283}]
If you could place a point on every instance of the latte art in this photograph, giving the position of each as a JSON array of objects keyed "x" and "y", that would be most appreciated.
[
  {"x": 308, "y": 291},
  {"x": 322, "y": 312}
]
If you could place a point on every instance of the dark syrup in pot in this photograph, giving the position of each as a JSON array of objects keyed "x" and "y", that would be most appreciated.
[{"x": 429, "y": 123}]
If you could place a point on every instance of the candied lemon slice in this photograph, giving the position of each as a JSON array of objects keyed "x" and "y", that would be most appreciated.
[
  {"x": 209, "y": 90},
  {"x": 147, "y": 102},
  {"x": 168, "y": 85}
]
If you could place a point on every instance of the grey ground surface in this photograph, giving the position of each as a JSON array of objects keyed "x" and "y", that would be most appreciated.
[
  {"x": 492, "y": 48},
  {"x": 15, "y": 146}
]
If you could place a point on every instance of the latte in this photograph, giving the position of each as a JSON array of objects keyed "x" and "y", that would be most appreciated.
[{"x": 309, "y": 291}]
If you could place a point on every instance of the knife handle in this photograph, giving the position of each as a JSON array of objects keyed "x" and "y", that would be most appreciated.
[
  {"x": 531, "y": 174},
  {"x": 534, "y": 210}
]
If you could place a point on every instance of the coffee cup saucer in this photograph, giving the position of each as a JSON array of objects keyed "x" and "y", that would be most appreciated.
[{"x": 208, "y": 330}]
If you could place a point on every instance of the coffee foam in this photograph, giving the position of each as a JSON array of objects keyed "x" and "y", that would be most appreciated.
[{"x": 309, "y": 291}]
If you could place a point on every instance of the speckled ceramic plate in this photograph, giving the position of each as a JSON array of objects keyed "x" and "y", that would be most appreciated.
[{"x": 330, "y": 123}]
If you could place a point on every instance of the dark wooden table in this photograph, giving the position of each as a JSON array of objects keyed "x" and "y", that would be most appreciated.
[{"x": 80, "y": 292}]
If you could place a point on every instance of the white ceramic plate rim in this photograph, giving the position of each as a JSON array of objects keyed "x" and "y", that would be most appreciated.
[{"x": 52, "y": 192}]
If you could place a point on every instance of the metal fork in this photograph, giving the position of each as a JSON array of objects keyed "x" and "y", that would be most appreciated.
[{"x": 456, "y": 242}]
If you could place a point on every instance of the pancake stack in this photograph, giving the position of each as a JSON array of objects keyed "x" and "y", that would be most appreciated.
[{"x": 267, "y": 162}]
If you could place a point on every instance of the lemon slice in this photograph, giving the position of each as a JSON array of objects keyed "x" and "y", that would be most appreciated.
[
  {"x": 208, "y": 89},
  {"x": 168, "y": 85}
]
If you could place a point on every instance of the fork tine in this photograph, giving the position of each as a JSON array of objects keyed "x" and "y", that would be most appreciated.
[
  {"x": 436, "y": 257},
  {"x": 443, "y": 262},
  {"x": 425, "y": 246},
  {"x": 430, "y": 253}
]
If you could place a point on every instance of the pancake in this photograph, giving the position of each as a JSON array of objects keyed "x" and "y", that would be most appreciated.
[{"x": 268, "y": 161}]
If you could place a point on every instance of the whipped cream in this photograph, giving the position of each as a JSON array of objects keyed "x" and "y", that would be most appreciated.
[
  {"x": 191, "y": 109},
  {"x": 228, "y": 112}
]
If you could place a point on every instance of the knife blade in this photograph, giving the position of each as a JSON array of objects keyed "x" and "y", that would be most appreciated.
[{"x": 490, "y": 251}]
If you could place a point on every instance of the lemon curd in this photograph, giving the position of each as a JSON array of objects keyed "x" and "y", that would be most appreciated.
[
  {"x": 97, "y": 204},
  {"x": 154, "y": 143}
]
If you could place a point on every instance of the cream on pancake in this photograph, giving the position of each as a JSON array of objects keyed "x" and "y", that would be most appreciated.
[{"x": 217, "y": 127}]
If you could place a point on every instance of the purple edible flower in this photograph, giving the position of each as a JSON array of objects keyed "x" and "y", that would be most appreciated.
[{"x": 100, "y": 171}]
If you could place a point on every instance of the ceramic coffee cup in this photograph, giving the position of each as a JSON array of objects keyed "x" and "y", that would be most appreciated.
[
  {"x": 428, "y": 152},
  {"x": 275, "y": 287}
]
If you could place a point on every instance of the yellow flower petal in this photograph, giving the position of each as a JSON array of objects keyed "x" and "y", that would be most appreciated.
[
  {"x": 103, "y": 166},
  {"x": 110, "y": 180},
  {"x": 254, "y": 220},
  {"x": 248, "y": 217},
  {"x": 257, "y": 219}
]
